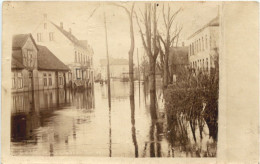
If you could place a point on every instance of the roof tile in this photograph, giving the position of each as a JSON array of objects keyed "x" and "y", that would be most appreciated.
[{"x": 48, "y": 61}]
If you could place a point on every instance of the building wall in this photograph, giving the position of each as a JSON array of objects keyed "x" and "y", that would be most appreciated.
[
  {"x": 201, "y": 46},
  {"x": 18, "y": 80},
  {"x": 49, "y": 80},
  {"x": 116, "y": 71},
  {"x": 26, "y": 79},
  {"x": 29, "y": 52},
  {"x": 22, "y": 80},
  {"x": 119, "y": 71},
  {"x": 69, "y": 53},
  {"x": 61, "y": 46}
]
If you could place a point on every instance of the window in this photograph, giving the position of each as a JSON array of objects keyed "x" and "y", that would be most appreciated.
[
  {"x": 207, "y": 64},
  {"x": 60, "y": 80},
  {"x": 87, "y": 74},
  {"x": 29, "y": 57},
  {"x": 39, "y": 37},
  {"x": 51, "y": 36},
  {"x": 210, "y": 42},
  {"x": 19, "y": 80},
  {"x": 206, "y": 40},
  {"x": 81, "y": 58},
  {"x": 75, "y": 56},
  {"x": 13, "y": 80},
  {"x": 50, "y": 80},
  {"x": 195, "y": 47},
  {"x": 78, "y": 58},
  {"x": 199, "y": 45},
  {"x": 78, "y": 73},
  {"x": 44, "y": 79},
  {"x": 192, "y": 49},
  {"x": 202, "y": 44},
  {"x": 45, "y": 25}
]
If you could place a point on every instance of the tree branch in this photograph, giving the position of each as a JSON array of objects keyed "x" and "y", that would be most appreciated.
[
  {"x": 173, "y": 16},
  {"x": 164, "y": 19},
  {"x": 128, "y": 12},
  {"x": 141, "y": 33}
]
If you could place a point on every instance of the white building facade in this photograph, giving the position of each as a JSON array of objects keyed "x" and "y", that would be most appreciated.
[
  {"x": 203, "y": 45},
  {"x": 76, "y": 54},
  {"x": 119, "y": 68}
]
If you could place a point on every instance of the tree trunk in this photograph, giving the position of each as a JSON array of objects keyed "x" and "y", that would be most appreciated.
[
  {"x": 131, "y": 73},
  {"x": 166, "y": 69},
  {"x": 152, "y": 87},
  {"x": 131, "y": 54},
  {"x": 132, "y": 104}
]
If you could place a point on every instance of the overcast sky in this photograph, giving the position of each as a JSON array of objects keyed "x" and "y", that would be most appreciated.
[{"x": 86, "y": 19}]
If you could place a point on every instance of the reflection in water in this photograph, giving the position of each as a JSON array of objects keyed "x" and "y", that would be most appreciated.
[
  {"x": 110, "y": 134},
  {"x": 132, "y": 104},
  {"x": 68, "y": 122}
]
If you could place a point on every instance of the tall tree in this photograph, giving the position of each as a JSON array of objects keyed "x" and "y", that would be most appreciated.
[
  {"x": 150, "y": 42},
  {"x": 168, "y": 41},
  {"x": 132, "y": 46}
]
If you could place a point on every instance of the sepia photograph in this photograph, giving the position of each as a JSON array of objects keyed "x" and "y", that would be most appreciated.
[{"x": 113, "y": 79}]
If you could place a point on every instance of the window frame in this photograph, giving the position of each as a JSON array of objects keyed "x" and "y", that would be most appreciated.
[{"x": 51, "y": 36}]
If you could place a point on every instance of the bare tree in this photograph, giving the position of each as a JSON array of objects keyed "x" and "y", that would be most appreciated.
[
  {"x": 150, "y": 42},
  {"x": 168, "y": 42},
  {"x": 132, "y": 46}
]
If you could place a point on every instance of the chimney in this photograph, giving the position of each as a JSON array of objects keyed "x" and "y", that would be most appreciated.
[
  {"x": 183, "y": 44},
  {"x": 70, "y": 30},
  {"x": 61, "y": 25},
  {"x": 45, "y": 17}
]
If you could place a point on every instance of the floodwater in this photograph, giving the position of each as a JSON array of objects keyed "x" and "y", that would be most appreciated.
[{"x": 67, "y": 122}]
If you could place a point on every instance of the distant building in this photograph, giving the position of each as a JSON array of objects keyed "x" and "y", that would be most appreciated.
[
  {"x": 203, "y": 45},
  {"x": 24, "y": 63},
  {"x": 35, "y": 67},
  {"x": 119, "y": 68},
  {"x": 76, "y": 54},
  {"x": 178, "y": 61}
]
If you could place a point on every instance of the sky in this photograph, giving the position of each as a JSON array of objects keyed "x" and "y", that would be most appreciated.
[{"x": 86, "y": 19}]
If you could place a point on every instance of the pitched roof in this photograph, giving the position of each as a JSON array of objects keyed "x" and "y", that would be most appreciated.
[
  {"x": 178, "y": 56},
  {"x": 213, "y": 22},
  {"x": 16, "y": 64},
  {"x": 71, "y": 37},
  {"x": 48, "y": 61},
  {"x": 112, "y": 61},
  {"x": 17, "y": 54},
  {"x": 20, "y": 39}
]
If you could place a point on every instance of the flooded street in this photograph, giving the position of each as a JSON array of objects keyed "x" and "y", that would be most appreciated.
[{"x": 68, "y": 122}]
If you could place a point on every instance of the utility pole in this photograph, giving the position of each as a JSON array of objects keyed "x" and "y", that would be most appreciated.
[
  {"x": 108, "y": 70},
  {"x": 138, "y": 74},
  {"x": 108, "y": 91}
]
